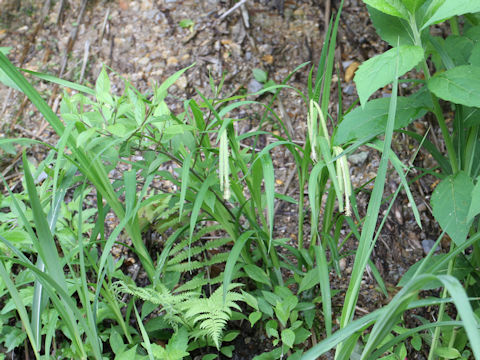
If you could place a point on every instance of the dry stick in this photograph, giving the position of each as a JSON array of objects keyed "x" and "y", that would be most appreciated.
[
  {"x": 26, "y": 48},
  {"x": 71, "y": 41},
  {"x": 73, "y": 37},
  {"x": 279, "y": 204},
  {"x": 60, "y": 11},
  {"x": 328, "y": 7},
  {"x": 245, "y": 17},
  {"x": 7, "y": 100},
  {"x": 104, "y": 25},
  {"x": 85, "y": 60},
  {"x": 232, "y": 9}
]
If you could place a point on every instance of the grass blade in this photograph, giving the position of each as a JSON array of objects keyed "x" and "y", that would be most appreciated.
[
  {"x": 365, "y": 245},
  {"x": 20, "y": 307},
  {"x": 232, "y": 260},
  {"x": 269, "y": 182}
]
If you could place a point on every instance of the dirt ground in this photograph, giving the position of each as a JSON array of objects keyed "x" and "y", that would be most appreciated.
[{"x": 144, "y": 42}]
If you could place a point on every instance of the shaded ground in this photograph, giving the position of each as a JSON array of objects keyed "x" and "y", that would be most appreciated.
[{"x": 143, "y": 41}]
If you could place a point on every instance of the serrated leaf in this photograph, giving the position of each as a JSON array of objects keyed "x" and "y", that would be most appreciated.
[
  {"x": 186, "y": 23},
  {"x": 102, "y": 88},
  {"x": 13, "y": 338},
  {"x": 309, "y": 280},
  {"x": 460, "y": 270},
  {"x": 459, "y": 49},
  {"x": 474, "y": 58},
  {"x": 288, "y": 337},
  {"x": 379, "y": 71},
  {"x": 460, "y": 85},
  {"x": 254, "y": 317},
  {"x": 448, "y": 8},
  {"x": 416, "y": 342},
  {"x": 390, "y": 7},
  {"x": 474, "y": 209},
  {"x": 392, "y": 29},
  {"x": 371, "y": 120},
  {"x": 127, "y": 355},
  {"x": 413, "y": 5},
  {"x": 116, "y": 342},
  {"x": 450, "y": 203},
  {"x": 447, "y": 353},
  {"x": 260, "y": 75},
  {"x": 257, "y": 274}
]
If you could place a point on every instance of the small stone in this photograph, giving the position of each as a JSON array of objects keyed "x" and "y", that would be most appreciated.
[
  {"x": 358, "y": 158},
  {"x": 254, "y": 86},
  {"x": 342, "y": 263},
  {"x": 182, "y": 82},
  {"x": 349, "y": 89},
  {"x": 427, "y": 245},
  {"x": 172, "y": 60}
]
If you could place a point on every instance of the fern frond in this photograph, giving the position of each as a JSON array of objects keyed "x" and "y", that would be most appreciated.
[
  {"x": 197, "y": 236},
  {"x": 195, "y": 250},
  {"x": 213, "y": 313},
  {"x": 194, "y": 265}
]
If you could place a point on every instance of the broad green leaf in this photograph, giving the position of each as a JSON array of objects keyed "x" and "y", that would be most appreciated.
[
  {"x": 392, "y": 29},
  {"x": 288, "y": 337},
  {"x": 127, "y": 355},
  {"x": 474, "y": 58},
  {"x": 371, "y": 120},
  {"x": 449, "y": 8},
  {"x": 309, "y": 280},
  {"x": 474, "y": 209},
  {"x": 459, "y": 48},
  {"x": 254, "y": 317},
  {"x": 116, "y": 342},
  {"x": 13, "y": 337},
  {"x": 447, "y": 352},
  {"x": 451, "y": 202},
  {"x": 260, "y": 75},
  {"x": 460, "y": 270},
  {"x": 379, "y": 70},
  {"x": 102, "y": 88},
  {"x": 282, "y": 312},
  {"x": 390, "y": 7},
  {"x": 257, "y": 274},
  {"x": 460, "y": 85},
  {"x": 416, "y": 342},
  {"x": 413, "y": 5}
]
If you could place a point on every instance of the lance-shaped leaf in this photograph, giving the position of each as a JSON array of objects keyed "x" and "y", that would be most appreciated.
[
  {"x": 440, "y": 10},
  {"x": 390, "y": 7},
  {"x": 460, "y": 85},
  {"x": 379, "y": 70},
  {"x": 451, "y": 203}
]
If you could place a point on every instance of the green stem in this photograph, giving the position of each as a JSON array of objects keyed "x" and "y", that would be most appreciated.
[
  {"x": 454, "y": 26},
  {"x": 470, "y": 149},
  {"x": 437, "y": 110},
  {"x": 441, "y": 311}
]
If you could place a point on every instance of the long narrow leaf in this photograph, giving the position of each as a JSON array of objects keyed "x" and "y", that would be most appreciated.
[
  {"x": 365, "y": 245},
  {"x": 20, "y": 307},
  {"x": 232, "y": 260}
]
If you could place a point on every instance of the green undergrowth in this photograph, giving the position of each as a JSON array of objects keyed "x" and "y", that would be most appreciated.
[{"x": 216, "y": 258}]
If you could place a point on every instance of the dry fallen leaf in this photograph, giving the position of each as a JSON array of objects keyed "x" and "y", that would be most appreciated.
[
  {"x": 350, "y": 72},
  {"x": 268, "y": 59},
  {"x": 123, "y": 4}
]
